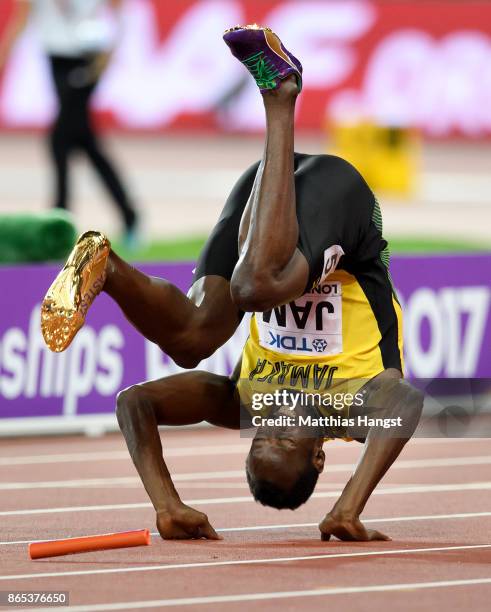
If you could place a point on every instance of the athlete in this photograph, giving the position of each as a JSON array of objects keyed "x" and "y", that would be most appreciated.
[{"x": 298, "y": 244}]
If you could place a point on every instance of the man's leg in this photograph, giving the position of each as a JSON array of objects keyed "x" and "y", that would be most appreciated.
[
  {"x": 271, "y": 270},
  {"x": 188, "y": 328},
  {"x": 183, "y": 399}
]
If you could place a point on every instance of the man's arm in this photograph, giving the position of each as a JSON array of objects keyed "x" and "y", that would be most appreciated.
[
  {"x": 396, "y": 398},
  {"x": 183, "y": 399}
]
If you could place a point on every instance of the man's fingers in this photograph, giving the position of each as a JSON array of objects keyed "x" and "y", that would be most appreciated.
[
  {"x": 207, "y": 531},
  {"x": 176, "y": 534},
  {"x": 377, "y": 535}
]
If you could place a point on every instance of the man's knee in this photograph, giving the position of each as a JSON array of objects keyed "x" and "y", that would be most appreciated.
[
  {"x": 197, "y": 342},
  {"x": 128, "y": 403},
  {"x": 189, "y": 358},
  {"x": 188, "y": 355}
]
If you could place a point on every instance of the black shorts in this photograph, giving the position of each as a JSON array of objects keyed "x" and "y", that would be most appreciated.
[
  {"x": 338, "y": 213},
  {"x": 335, "y": 206}
]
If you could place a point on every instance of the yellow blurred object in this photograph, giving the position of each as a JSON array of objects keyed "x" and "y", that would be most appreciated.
[{"x": 387, "y": 157}]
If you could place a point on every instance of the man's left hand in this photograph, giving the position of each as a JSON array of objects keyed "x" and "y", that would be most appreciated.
[{"x": 348, "y": 529}]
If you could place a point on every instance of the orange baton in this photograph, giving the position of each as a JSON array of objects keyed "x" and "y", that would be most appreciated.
[{"x": 39, "y": 550}]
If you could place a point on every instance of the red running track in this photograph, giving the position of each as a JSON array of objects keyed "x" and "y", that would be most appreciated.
[{"x": 435, "y": 503}]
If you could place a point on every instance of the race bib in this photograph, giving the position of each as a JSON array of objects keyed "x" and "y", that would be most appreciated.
[{"x": 312, "y": 324}]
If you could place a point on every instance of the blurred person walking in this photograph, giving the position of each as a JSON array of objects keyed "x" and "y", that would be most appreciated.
[{"x": 78, "y": 39}]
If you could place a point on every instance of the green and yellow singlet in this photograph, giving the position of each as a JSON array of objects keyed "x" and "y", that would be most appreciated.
[{"x": 347, "y": 326}]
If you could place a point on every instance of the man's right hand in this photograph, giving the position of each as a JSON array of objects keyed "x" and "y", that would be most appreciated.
[
  {"x": 347, "y": 529},
  {"x": 185, "y": 523}
]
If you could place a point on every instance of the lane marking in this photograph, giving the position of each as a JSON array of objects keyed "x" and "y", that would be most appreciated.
[
  {"x": 216, "y": 599},
  {"x": 124, "y": 480},
  {"x": 404, "y": 490},
  {"x": 433, "y": 441},
  {"x": 191, "y": 451},
  {"x": 152, "y": 568},
  {"x": 392, "y": 519},
  {"x": 403, "y": 464}
]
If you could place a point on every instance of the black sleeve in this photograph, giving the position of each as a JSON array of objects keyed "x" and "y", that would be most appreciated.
[
  {"x": 335, "y": 207},
  {"x": 221, "y": 251}
]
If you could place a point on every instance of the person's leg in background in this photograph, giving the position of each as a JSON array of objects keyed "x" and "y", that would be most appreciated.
[
  {"x": 60, "y": 136},
  {"x": 90, "y": 144}
]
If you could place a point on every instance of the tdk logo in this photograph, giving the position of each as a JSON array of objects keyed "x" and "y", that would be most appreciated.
[
  {"x": 319, "y": 344},
  {"x": 292, "y": 343}
]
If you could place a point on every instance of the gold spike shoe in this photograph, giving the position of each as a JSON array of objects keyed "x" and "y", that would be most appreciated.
[{"x": 69, "y": 298}]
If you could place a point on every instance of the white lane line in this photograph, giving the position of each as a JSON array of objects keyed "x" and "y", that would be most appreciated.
[
  {"x": 124, "y": 480},
  {"x": 433, "y": 441},
  {"x": 190, "y": 451},
  {"x": 172, "y": 566},
  {"x": 403, "y": 464},
  {"x": 404, "y": 490},
  {"x": 217, "y": 599},
  {"x": 392, "y": 519}
]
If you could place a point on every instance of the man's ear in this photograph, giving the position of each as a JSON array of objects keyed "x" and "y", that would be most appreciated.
[{"x": 319, "y": 459}]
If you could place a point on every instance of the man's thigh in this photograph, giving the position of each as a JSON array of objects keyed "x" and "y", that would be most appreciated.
[{"x": 216, "y": 317}]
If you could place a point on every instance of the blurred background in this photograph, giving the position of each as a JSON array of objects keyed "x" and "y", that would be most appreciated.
[
  {"x": 400, "y": 88},
  {"x": 183, "y": 120}
]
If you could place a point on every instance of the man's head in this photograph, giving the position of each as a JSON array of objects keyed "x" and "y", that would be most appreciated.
[{"x": 283, "y": 467}]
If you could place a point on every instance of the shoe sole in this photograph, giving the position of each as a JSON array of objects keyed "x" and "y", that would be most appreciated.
[
  {"x": 69, "y": 298},
  {"x": 274, "y": 43}
]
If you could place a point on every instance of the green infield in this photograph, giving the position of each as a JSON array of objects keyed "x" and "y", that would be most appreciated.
[{"x": 188, "y": 249}]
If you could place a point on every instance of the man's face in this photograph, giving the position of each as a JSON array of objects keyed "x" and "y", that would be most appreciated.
[{"x": 280, "y": 454}]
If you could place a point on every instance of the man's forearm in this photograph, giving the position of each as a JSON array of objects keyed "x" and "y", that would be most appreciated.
[
  {"x": 378, "y": 455},
  {"x": 140, "y": 430},
  {"x": 382, "y": 447}
]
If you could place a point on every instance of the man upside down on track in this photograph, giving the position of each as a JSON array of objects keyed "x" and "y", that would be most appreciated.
[{"x": 299, "y": 244}]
